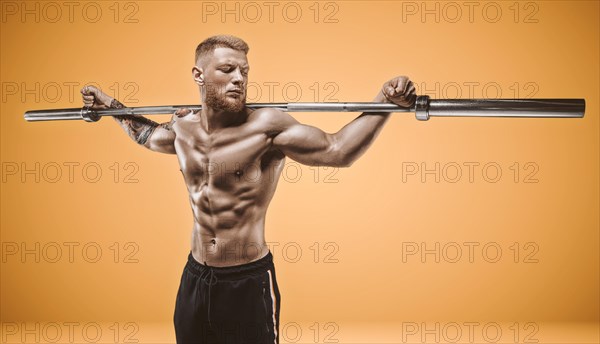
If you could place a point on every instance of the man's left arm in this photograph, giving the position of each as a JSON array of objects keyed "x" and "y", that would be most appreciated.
[{"x": 311, "y": 146}]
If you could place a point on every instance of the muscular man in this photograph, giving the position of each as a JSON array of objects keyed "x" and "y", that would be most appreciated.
[{"x": 231, "y": 158}]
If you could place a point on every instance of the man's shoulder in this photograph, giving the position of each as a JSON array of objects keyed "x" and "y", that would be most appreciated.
[
  {"x": 270, "y": 118},
  {"x": 182, "y": 114}
]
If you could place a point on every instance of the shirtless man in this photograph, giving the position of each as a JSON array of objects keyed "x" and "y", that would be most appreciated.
[{"x": 231, "y": 158}]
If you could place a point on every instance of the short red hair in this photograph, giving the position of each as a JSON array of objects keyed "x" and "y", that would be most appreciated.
[{"x": 220, "y": 41}]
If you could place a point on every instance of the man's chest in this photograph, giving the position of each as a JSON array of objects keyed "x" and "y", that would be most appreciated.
[{"x": 230, "y": 152}]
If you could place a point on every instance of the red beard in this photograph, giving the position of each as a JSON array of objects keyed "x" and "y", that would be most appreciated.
[{"x": 220, "y": 101}]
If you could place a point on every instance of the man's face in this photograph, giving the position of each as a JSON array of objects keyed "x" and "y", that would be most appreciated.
[{"x": 225, "y": 78}]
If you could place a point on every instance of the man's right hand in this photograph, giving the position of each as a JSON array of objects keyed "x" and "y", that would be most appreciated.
[{"x": 94, "y": 98}]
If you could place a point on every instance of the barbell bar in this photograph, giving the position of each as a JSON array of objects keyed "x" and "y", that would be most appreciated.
[{"x": 424, "y": 108}]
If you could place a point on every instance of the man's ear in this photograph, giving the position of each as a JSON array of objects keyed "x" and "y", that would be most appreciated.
[{"x": 198, "y": 75}]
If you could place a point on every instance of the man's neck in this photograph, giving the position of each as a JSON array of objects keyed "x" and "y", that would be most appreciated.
[{"x": 214, "y": 119}]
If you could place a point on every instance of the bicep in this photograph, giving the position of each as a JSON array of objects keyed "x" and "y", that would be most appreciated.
[
  {"x": 307, "y": 144},
  {"x": 162, "y": 138}
]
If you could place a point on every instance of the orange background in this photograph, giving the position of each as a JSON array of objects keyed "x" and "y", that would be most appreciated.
[{"x": 368, "y": 214}]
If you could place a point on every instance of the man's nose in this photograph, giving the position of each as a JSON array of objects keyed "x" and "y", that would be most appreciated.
[{"x": 238, "y": 78}]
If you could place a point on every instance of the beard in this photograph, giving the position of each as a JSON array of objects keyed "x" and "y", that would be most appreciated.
[{"x": 220, "y": 101}]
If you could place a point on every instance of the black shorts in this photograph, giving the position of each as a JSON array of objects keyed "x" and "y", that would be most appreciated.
[{"x": 233, "y": 304}]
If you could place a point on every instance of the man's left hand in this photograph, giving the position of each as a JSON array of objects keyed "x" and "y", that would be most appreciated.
[{"x": 400, "y": 90}]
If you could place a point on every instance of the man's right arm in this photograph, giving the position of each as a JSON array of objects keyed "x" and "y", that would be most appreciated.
[{"x": 152, "y": 135}]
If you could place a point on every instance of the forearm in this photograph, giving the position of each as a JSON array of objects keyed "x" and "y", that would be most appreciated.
[
  {"x": 138, "y": 127},
  {"x": 356, "y": 137}
]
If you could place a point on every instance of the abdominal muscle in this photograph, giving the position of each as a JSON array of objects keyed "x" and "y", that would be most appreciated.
[
  {"x": 227, "y": 248},
  {"x": 229, "y": 217}
]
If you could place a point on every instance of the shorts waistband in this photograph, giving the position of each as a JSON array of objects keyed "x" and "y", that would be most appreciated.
[{"x": 256, "y": 267}]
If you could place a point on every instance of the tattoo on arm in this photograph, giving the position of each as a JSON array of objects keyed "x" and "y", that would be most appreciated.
[
  {"x": 137, "y": 127},
  {"x": 115, "y": 104}
]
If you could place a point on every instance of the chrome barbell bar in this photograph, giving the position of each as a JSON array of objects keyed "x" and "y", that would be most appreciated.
[{"x": 424, "y": 108}]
